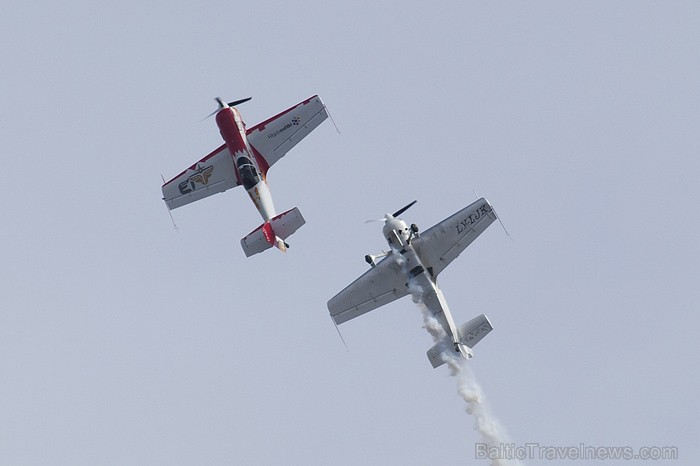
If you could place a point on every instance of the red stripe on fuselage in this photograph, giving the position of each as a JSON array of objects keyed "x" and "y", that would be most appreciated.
[{"x": 262, "y": 163}]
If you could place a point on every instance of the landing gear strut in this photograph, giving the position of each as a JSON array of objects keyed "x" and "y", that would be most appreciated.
[
  {"x": 413, "y": 233},
  {"x": 371, "y": 260}
]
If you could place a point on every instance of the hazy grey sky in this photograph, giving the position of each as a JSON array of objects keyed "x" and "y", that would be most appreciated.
[{"x": 123, "y": 342}]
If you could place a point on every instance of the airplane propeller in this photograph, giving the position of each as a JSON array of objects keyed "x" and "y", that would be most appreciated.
[
  {"x": 224, "y": 105},
  {"x": 234, "y": 103},
  {"x": 395, "y": 214},
  {"x": 403, "y": 209}
]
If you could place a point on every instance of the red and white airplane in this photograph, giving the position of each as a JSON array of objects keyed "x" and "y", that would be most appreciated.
[{"x": 244, "y": 159}]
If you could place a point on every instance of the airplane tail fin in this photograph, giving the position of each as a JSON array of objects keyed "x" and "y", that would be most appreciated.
[
  {"x": 273, "y": 233},
  {"x": 470, "y": 334}
]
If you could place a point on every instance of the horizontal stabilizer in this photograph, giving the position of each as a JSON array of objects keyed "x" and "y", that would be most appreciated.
[
  {"x": 265, "y": 236},
  {"x": 473, "y": 331},
  {"x": 470, "y": 334}
]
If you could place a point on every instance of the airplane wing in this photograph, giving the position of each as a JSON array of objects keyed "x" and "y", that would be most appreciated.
[
  {"x": 213, "y": 174},
  {"x": 378, "y": 286},
  {"x": 274, "y": 137},
  {"x": 442, "y": 243}
]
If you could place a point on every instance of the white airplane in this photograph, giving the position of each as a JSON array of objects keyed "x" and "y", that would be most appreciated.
[
  {"x": 244, "y": 159},
  {"x": 417, "y": 261}
]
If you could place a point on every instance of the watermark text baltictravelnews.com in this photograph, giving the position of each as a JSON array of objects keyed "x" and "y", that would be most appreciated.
[{"x": 535, "y": 451}]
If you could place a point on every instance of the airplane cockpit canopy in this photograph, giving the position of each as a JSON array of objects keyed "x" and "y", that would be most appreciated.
[{"x": 248, "y": 172}]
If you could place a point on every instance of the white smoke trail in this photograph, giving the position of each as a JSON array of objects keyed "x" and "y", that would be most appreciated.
[
  {"x": 485, "y": 423},
  {"x": 492, "y": 433}
]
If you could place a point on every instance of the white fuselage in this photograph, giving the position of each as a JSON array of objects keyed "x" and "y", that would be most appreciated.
[{"x": 397, "y": 233}]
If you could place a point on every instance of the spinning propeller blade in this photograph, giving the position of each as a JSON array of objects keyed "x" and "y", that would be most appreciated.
[
  {"x": 403, "y": 209},
  {"x": 225, "y": 105},
  {"x": 395, "y": 214},
  {"x": 237, "y": 102}
]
